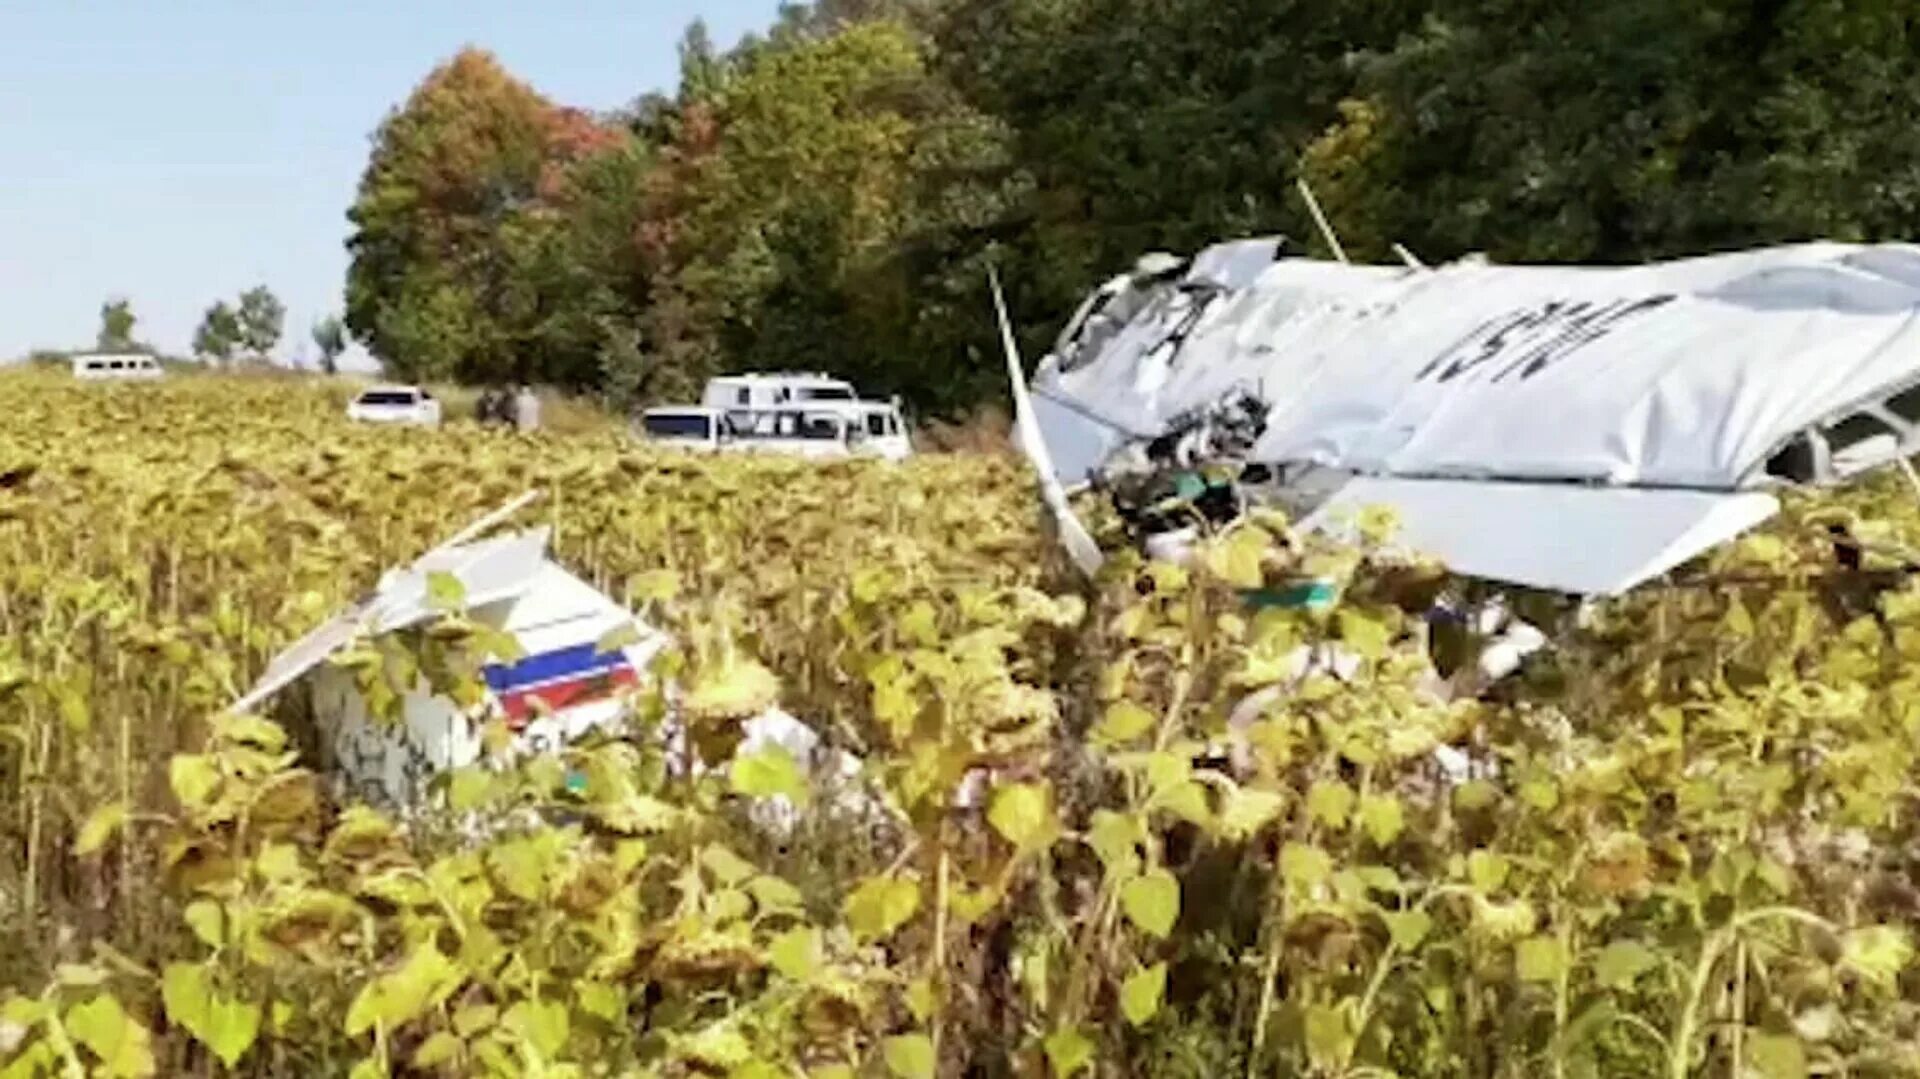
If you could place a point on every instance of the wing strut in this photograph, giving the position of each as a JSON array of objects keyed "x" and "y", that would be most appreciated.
[{"x": 1073, "y": 535}]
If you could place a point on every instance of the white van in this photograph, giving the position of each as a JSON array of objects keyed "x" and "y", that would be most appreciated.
[
  {"x": 742, "y": 395},
  {"x": 686, "y": 427},
  {"x": 116, "y": 365}
]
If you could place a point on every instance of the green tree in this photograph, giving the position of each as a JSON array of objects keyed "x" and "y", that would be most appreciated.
[
  {"x": 116, "y": 325},
  {"x": 219, "y": 333},
  {"x": 459, "y": 267},
  {"x": 330, "y": 337},
  {"x": 262, "y": 319}
]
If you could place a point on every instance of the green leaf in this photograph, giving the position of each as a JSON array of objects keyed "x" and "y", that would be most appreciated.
[
  {"x": 881, "y": 905},
  {"x": 1475, "y": 794},
  {"x": 208, "y": 921},
  {"x": 1305, "y": 866},
  {"x": 773, "y": 894},
  {"x": 1368, "y": 637},
  {"x": 439, "y": 1049},
  {"x": 1125, "y": 721},
  {"x": 1382, "y": 816},
  {"x": 227, "y": 1027},
  {"x": 102, "y": 825},
  {"x": 1540, "y": 959},
  {"x": 124, "y": 1046},
  {"x": 1069, "y": 1052},
  {"x": 1140, "y": 995},
  {"x": 1328, "y": 1035},
  {"x": 470, "y": 788},
  {"x": 727, "y": 867},
  {"x": 1776, "y": 1056},
  {"x": 1330, "y": 801},
  {"x": 1622, "y": 961},
  {"x": 1487, "y": 871},
  {"x": 1408, "y": 927},
  {"x": 1115, "y": 838},
  {"x": 542, "y": 1023},
  {"x": 1246, "y": 811},
  {"x": 602, "y": 1001},
  {"x": 1877, "y": 953},
  {"x": 445, "y": 592},
  {"x": 920, "y": 1000},
  {"x": 1152, "y": 902},
  {"x": 910, "y": 1056},
  {"x": 624, "y": 635},
  {"x": 1023, "y": 815},
  {"x": 770, "y": 772},
  {"x": 193, "y": 778},
  {"x": 796, "y": 953},
  {"x": 395, "y": 999}
]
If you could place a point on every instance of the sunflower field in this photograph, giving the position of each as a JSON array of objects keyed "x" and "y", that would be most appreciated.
[{"x": 1105, "y": 829}]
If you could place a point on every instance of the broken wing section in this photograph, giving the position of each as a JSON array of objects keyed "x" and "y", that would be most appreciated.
[{"x": 1561, "y": 537}]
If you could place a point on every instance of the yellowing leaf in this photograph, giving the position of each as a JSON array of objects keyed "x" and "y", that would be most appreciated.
[
  {"x": 1330, "y": 801},
  {"x": 1069, "y": 1052},
  {"x": 225, "y": 1026},
  {"x": 727, "y": 867},
  {"x": 1487, "y": 871},
  {"x": 193, "y": 779},
  {"x": 1408, "y": 927},
  {"x": 1246, "y": 811},
  {"x": 910, "y": 1056},
  {"x": 1776, "y": 1056},
  {"x": 100, "y": 827},
  {"x": 1540, "y": 959},
  {"x": 881, "y": 905},
  {"x": 1382, "y": 816},
  {"x": 1305, "y": 866},
  {"x": 1877, "y": 953},
  {"x": 768, "y": 773},
  {"x": 1021, "y": 813},
  {"x": 1140, "y": 995},
  {"x": 1622, "y": 961},
  {"x": 124, "y": 1046},
  {"x": 441, "y": 1048},
  {"x": 796, "y": 953},
  {"x": 445, "y": 592},
  {"x": 1125, "y": 721},
  {"x": 542, "y": 1023},
  {"x": 1152, "y": 902},
  {"x": 208, "y": 921}
]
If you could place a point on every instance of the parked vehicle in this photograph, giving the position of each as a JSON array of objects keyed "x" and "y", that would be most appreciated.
[
  {"x": 687, "y": 427},
  {"x": 116, "y": 366},
  {"x": 806, "y": 415},
  {"x": 396, "y": 404}
]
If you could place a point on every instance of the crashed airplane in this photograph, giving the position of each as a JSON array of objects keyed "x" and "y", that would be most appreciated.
[{"x": 1578, "y": 430}]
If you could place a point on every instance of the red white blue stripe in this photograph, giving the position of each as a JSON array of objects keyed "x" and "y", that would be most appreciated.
[{"x": 558, "y": 679}]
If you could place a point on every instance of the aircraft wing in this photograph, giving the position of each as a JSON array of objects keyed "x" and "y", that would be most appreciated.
[{"x": 1645, "y": 403}]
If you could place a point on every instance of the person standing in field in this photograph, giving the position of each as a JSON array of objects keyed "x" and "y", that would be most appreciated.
[{"x": 526, "y": 409}]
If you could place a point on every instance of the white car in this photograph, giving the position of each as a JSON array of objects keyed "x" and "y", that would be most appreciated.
[{"x": 396, "y": 404}]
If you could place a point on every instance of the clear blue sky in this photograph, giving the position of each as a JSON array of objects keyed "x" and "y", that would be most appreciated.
[{"x": 178, "y": 151}]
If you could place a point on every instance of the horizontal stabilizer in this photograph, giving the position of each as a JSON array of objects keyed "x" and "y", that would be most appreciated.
[{"x": 1560, "y": 537}]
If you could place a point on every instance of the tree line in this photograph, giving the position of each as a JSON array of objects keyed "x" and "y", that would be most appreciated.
[
  {"x": 248, "y": 329},
  {"x": 829, "y": 193}
]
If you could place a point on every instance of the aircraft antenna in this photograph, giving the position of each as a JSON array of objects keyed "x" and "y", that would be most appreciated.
[
  {"x": 1406, "y": 256},
  {"x": 1326, "y": 230}
]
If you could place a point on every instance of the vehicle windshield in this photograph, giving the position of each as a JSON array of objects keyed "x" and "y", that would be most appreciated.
[
  {"x": 388, "y": 397},
  {"x": 677, "y": 425}
]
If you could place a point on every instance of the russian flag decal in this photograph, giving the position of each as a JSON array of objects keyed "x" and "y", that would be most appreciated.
[{"x": 558, "y": 679}]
